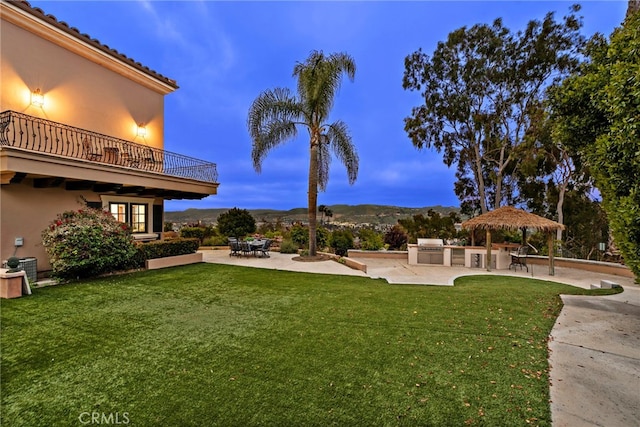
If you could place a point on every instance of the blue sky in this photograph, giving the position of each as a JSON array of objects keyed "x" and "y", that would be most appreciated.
[{"x": 223, "y": 54}]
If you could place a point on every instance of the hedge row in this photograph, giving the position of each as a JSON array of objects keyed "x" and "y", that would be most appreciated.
[{"x": 165, "y": 248}]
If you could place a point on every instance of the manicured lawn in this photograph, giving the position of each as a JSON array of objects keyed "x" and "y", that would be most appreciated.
[{"x": 231, "y": 346}]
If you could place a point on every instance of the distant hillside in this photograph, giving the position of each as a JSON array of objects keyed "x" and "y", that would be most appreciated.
[{"x": 359, "y": 214}]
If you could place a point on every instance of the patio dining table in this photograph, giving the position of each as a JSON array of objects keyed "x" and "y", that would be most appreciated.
[{"x": 256, "y": 244}]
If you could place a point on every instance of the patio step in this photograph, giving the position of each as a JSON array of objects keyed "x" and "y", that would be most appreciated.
[
  {"x": 605, "y": 284},
  {"x": 608, "y": 284}
]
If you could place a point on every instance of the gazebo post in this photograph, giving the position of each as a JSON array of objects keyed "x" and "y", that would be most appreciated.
[
  {"x": 488, "y": 260},
  {"x": 552, "y": 270}
]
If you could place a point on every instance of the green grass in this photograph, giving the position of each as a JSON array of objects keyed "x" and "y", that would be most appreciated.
[{"x": 232, "y": 346}]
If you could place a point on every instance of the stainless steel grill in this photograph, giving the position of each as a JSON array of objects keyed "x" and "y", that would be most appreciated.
[{"x": 430, "y": 251}]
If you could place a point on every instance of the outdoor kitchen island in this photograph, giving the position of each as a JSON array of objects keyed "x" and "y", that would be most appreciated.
[{"x": 435, "y": 252}]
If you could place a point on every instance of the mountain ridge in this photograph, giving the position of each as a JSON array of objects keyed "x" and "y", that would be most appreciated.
[{"x": 342, "y": 213}]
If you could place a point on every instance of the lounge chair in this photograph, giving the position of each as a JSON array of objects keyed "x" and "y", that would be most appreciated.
[{"x": 519, "y": 258}]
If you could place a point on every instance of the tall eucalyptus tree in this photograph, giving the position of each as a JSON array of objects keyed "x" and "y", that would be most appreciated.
[
  {"x": 482, "y": 89},
  {"x": 276, "y": 114}
]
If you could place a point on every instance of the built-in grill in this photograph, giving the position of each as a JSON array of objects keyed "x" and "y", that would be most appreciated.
[{"x": 430, "y": 251}]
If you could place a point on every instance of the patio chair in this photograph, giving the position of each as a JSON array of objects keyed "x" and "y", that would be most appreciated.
[
  {"x": 264, "y": 249},
  {"x": 234, "y": 245},
  {"x": 89, "y": 152},
  {"x": 150, "y": 161},
  {"x": 246, "y": 248},
  {"x": 519, "y": 258}
]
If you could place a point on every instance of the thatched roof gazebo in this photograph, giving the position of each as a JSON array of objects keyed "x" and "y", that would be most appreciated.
[{"x": 510, "y": 218}]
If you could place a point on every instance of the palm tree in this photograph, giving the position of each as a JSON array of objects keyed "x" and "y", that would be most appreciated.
[
  {"x": 329, "y": 213},
  {"x": 322, "y": 209},
  {"x": 275, "y": 115}
]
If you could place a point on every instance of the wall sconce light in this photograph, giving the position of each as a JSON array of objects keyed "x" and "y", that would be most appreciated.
[
  {"x": 37, "y": 98},
  {"x": 142, "y": 130}
]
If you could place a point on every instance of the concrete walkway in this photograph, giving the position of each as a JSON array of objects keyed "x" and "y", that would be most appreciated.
[
  {"x": 595, "y": 361},
  {"x": 594, "y": 344}
]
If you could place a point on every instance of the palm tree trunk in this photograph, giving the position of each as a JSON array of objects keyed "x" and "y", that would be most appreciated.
[{"x": 313, "y": 192}]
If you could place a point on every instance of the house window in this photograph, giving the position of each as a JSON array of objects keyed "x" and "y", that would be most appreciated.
[
  {"x": 138, "y": 218},
  {"x": 119, "y": 211},
  {"x": 133, "y": 214}
]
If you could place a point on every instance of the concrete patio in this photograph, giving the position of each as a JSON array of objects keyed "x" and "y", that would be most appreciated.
[{"x": 398, "y": 271}]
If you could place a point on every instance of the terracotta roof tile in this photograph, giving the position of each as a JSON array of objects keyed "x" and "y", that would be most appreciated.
[{"x": 73, "y": 31}]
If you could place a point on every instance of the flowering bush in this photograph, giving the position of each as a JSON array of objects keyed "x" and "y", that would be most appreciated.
[{"x": 86, "y": 243}]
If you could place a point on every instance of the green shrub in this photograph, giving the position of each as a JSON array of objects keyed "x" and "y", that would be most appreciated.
[
  {"x": 288, "y": 247},
  {"x": 341, "y": 241},
  {"x": 370, "y": 240},
  {"x": 272, "y": 234},
  {"x": 300, "y": 235},
  {"x": 87, "y": 243},
  {"x": 200, "y": 232},
  {"x": 322, "y": 238},
  {"x": 165, "y": 248},
  {"x": 215, "y": 241},
  {"x": 192, "y": 233},
  {"x": 236, "y": 223}
]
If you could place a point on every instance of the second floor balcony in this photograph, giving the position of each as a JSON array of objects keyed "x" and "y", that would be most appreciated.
[
  {"x": 36, "y": 134},
  {"x": 53, "y": 142}
]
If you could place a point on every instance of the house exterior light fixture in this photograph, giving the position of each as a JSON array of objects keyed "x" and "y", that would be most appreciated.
[
  {"x": 142, "y": 130},
  {"x": 37, "y": 98}
]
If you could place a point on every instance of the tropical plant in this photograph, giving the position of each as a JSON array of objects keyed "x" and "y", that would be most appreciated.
[
  {"x": 328, "y": 213},
  {"x": 236, "y": 223},
  {"x": 275, "y": 115},
  {"x": 87, "y": 243},
  {"x": 322, "y": 209}
]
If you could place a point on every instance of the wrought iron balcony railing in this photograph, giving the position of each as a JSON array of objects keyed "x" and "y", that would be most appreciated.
[{"x": 45, "y": 136}]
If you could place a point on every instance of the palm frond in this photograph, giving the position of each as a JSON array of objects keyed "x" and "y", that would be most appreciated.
[
  {"x": 319, "y": 78},
  {"x": 324, "y": 161},
  {"x": 272, "y": 120},
  {"x": 342, "y": 145}
]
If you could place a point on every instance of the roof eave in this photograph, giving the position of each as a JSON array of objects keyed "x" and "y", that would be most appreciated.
[{"x": 34, "y": 20}]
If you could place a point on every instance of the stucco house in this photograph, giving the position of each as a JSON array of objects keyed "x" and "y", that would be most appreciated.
[{"x": 81, "y": 124}]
